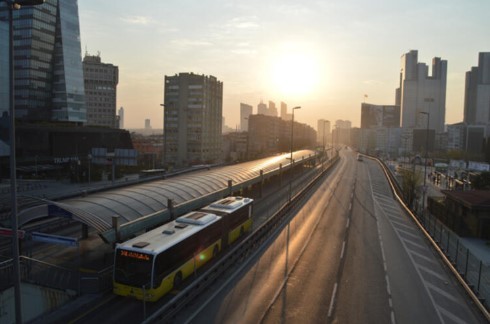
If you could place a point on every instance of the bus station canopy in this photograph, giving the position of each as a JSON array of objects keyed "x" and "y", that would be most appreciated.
[{"x": 136, "y": 202}]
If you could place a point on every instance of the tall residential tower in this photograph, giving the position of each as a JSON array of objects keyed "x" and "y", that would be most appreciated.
[
  {"x": 100, "y": 91},
  {"x": 192, "y": 119},
  {"x": 477, "y": 92},
  {"x": 420, "y": 93}
]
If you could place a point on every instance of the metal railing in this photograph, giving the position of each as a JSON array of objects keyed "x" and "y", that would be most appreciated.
[
  {"x": 475, "y": 272},
  {"x": 472, "y": 273}
]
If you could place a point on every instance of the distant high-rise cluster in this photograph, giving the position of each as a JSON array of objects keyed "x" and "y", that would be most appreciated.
[
  {"x": 262, "y": 109},
  {"x": 421, "y": 103},
  {"x": 271, "y": 109}
]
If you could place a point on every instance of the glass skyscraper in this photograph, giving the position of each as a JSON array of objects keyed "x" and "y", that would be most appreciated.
[
  {"x": 4, "y": 67},
  {"x": 4, "y": 88},
  {"x": 48, "y": 65}
]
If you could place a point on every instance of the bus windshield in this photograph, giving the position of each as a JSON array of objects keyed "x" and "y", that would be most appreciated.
[{"x": 133, "y": 268}]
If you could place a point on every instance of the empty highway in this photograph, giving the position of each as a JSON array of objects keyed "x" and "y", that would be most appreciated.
[{"x": 349, "y": 255}]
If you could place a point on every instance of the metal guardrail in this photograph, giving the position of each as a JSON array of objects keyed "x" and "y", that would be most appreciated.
[{"x": 471, "y": 272}]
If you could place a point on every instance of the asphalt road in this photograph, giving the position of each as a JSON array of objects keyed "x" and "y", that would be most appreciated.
[{"x": 350, "y": 255}]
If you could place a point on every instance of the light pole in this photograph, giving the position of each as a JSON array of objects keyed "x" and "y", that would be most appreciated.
[
  {"x": 248, "y": 138},
  {"x": 426, "y": 157},
  {"x": 291, "y": 157},
  {"x": 324, "y": 123},
  {"x": 13, "y": 5},
  {"x": 89, "y": 163},
  {"x": 336, "y": 135},
  {"x": 164, "y": 137},
  {"x": 405, "y": 149}
]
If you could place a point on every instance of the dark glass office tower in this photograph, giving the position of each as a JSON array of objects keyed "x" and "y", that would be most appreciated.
[
  {"x": 4, "y": 67},
  {"x": 48, "y": 64},
  {"x": 4, "y": 89}
]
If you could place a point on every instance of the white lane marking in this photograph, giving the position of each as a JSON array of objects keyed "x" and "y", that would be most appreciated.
[
  {"x": 453, "y": 317},
  {"x": 381, "y": 244},
  {"x": 388, "y": 288},
  {"x": 415, "y": 236},
  {"x": 342, "y": 252},
  {"x": 401, "y": 219},
  {"x": 414, "y": 244},
  {"x": 404, "y": 225},
  {"x": 332, "y": 300},
  {"x": 393, "y": 321},
  {"x": 439, "y": 275},
  {"x": 443, "y": 292},
  {"x": 426, "y": 258},
  {"x": 404, "y": 243},
  {"x": 348, "y": 222}
]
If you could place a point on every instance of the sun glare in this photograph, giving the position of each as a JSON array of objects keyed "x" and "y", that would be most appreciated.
[{"x": 295, "y": 74}]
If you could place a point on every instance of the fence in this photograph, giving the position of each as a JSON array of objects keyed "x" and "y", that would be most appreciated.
[{"x": 472, "y": 269}]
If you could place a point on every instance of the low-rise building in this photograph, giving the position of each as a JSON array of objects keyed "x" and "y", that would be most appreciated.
[{"x": 467, "y": 213}]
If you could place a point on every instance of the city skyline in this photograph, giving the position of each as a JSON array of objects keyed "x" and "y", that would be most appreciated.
[{"x": 280, "y": 50}]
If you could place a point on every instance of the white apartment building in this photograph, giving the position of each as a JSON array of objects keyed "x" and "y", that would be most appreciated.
[{"x": 422, "y": 97}]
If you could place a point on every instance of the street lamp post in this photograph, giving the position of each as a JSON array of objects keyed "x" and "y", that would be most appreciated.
[
  {"x": 426, "y": 157},
  {"x": 164, "y": 137},
  {"x": 324, "y": 155},
  {"x": 324, "y": 123},
  {"x": 89, "y": 158},
  {"x": 12, "y": 5},
  {"x": 248, "y": 138},
  {"x": 291, "y": 157}
]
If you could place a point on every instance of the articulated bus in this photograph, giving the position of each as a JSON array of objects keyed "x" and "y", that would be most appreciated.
[{"x": 152, "y": 264}]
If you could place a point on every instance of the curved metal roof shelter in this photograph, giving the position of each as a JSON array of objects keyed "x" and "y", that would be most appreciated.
[{"x": 141, "y": 206}]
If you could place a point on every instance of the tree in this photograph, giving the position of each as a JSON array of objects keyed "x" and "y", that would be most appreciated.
[{"x": 410, "y": 181}]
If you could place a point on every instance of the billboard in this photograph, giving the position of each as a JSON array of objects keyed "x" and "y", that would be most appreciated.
[
  {"x": 391, "y": 116},
  {"x": 374, "y": 116}
]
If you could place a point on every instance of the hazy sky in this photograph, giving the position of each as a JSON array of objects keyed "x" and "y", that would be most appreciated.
[{"x": 321, "y": 55}]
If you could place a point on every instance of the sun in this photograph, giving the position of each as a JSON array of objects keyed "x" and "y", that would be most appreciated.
[{"x": 294, "y": 73}]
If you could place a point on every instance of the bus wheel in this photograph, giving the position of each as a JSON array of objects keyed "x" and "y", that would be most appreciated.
[
  {"x": 215, "y": 251},
  {"x": 178, "y": 279}
]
